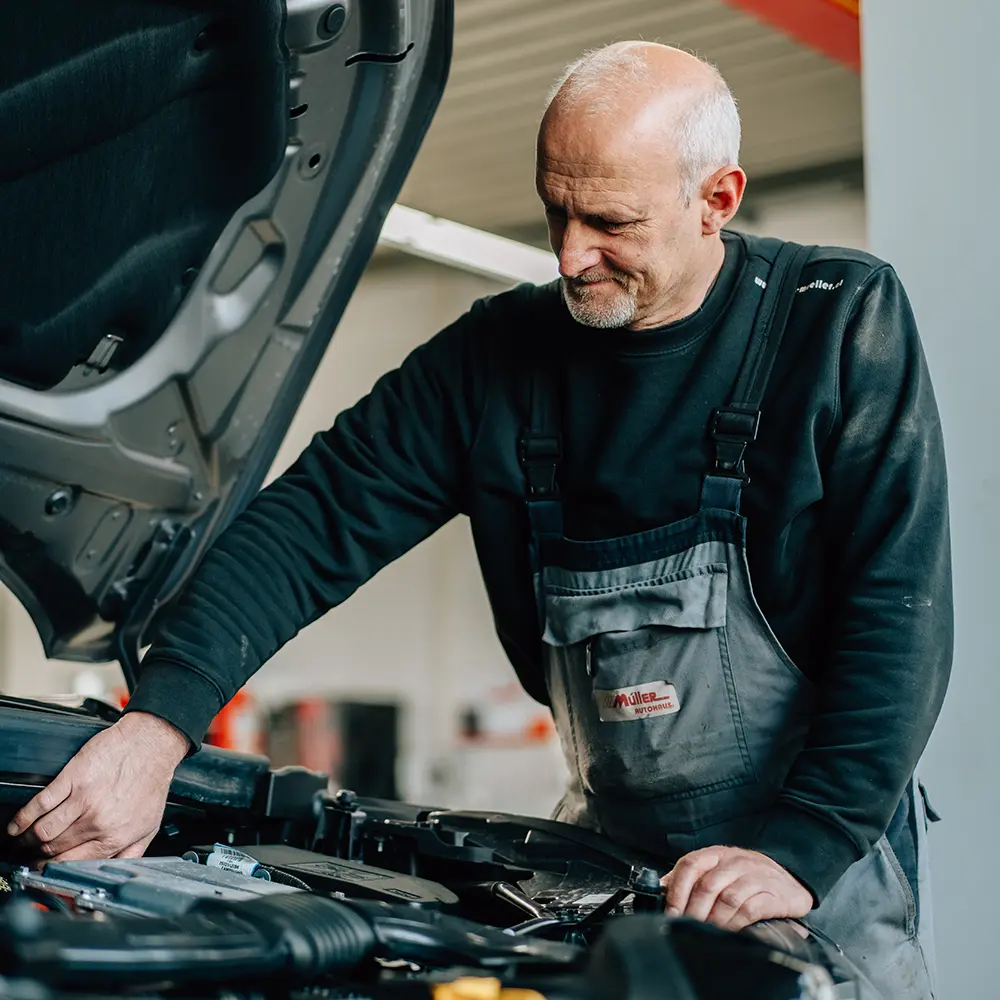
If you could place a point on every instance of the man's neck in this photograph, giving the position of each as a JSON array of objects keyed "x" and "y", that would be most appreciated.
[{"x": 691, "y": 290}]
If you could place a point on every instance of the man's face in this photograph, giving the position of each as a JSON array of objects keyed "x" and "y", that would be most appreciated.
[{"x": 618, "y": 223}]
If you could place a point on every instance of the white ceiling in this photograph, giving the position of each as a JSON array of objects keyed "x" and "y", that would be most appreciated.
[{"x": 799, "y": 109}]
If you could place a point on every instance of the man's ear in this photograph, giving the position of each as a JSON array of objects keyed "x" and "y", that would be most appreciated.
[{"x": 721, "y": 196}]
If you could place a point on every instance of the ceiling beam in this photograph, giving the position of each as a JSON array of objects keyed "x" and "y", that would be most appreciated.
[{"x": 474, "y": 250}]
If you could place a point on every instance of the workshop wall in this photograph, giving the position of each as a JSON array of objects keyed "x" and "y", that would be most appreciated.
[
  {"x": 831, "y": 213},
  {"x": 930, "y": 106}
]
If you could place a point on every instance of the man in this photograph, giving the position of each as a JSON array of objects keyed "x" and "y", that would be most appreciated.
[{"x": 599, "y": 433}]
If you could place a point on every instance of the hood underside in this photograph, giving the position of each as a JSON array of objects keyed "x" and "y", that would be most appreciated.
[{"x": 189, "y": 193}]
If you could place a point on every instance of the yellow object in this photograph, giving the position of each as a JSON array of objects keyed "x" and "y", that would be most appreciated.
[
  {"x": 851, "y": 6},
  {"x": 476, "y": 988}
]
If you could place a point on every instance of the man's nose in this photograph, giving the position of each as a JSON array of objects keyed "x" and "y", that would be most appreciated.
[{"x": 577, "y": 251}]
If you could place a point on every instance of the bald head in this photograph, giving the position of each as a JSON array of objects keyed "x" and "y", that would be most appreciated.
[{"x": 650, "y": 97}]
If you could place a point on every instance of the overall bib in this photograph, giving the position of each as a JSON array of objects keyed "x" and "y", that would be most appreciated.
[{"x": 679, "y": 712}]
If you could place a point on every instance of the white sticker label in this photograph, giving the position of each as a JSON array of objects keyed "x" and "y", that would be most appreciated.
[
  {"x": 639, "y": 702},
  {"x": 230, "y": 852},
  {"x": 228, "y": 859}
]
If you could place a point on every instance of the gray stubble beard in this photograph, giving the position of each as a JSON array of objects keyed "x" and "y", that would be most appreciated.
[{"x": 619, "y": 311}]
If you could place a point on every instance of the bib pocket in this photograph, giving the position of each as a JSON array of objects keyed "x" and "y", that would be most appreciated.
[{"x": 644, "y": 660}]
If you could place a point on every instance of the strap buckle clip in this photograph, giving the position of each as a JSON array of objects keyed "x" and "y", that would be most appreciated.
[
  {"x": 733, "y": 429},
  {"x": 539, "y": 456}
]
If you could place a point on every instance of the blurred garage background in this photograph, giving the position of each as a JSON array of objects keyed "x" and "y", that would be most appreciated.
[{"x": 405, "y": 690}]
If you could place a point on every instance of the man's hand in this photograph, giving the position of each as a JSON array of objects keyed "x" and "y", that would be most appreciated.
[
  {"x": 732, "y": 887},
  {"x": 108, "y": 800}
]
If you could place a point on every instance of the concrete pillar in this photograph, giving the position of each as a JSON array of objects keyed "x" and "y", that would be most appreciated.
[{"x": 932, "y": 144}]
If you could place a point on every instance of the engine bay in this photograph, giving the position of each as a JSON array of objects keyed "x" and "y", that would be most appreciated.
[{"x": 267, "y": 883}]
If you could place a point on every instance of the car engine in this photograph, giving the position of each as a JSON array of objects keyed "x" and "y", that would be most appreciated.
[{"x": 267, "y": 883}]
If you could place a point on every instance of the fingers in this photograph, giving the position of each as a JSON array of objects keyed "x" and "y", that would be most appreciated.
[
  {"x": 44, "y": 802},
  {"x": 136, "y": 850},
  {"x": 89, "y": 839},
  {"x": 685, "y": 876},
  {"x": 108, "y": 800},
  {"x": 90, "y": 850},
  {"x": 733, "y": 888},
  {"x": 81, "y": 832},
  {"x": 761, "y": 906},
  {"x": 56, "y": 823},
  {"x": 715, "y": 884},
  {"x": 742, "y": 903}
]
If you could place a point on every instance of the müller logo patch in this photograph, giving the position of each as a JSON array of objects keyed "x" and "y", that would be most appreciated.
[{"x": 639, "y": 702}]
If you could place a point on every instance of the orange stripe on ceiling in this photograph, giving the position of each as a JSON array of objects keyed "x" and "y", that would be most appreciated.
[{"x": 830, "y": 26}]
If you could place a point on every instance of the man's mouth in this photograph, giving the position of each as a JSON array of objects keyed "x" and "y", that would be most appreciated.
[{"x": 582, "y": 284}]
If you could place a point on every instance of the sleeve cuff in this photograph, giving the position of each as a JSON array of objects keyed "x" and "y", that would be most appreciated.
[
  {"x": 178, "y": 695},
  {"x": 816, "y": 851}
]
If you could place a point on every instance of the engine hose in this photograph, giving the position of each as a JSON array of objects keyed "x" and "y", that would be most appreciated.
[
  {"x": 283, "y": 878},
  {"x": 292, "y": 937},
  {"x": 537, "y": 924},
  {"x": 296, "y": 937},
  {"x": 318, "y": 935},
  {"x": 431, "y": 938}
]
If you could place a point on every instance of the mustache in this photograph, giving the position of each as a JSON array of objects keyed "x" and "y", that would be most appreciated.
[{"x": 593, "y": 277}]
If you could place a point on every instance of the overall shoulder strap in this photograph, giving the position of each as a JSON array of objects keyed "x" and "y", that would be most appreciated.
[
  {"x": 734, "y": 426},
  {"x": 540, "y": 451}
]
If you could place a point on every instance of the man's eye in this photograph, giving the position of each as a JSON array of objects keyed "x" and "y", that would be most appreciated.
[
  {"x": 611, "y": 226},
  {"x": 554, "y": 213}
]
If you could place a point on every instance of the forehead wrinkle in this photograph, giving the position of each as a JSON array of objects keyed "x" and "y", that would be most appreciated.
[
  {"x": 574, "y": 186},
  {"x": 576, "y": 173},
  {"x": 604, "y": 182},
  {"x": 631, "y": 151},
  {"x": 576, "y": 167}
]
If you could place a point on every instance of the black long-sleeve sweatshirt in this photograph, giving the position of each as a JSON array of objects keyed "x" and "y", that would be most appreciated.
[{"x": 848, "y": 538}]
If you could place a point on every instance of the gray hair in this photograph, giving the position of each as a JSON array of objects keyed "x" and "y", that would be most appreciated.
[{"x": 708, "y": 131}]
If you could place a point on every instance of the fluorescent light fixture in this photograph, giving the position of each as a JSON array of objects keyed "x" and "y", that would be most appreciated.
[{"x": 463, "y": 247}]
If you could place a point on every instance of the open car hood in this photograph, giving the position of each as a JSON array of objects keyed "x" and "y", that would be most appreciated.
[{"x": 189, "y": 193}]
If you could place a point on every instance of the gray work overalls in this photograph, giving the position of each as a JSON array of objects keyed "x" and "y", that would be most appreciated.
[{"x": 679, "y": 713}]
